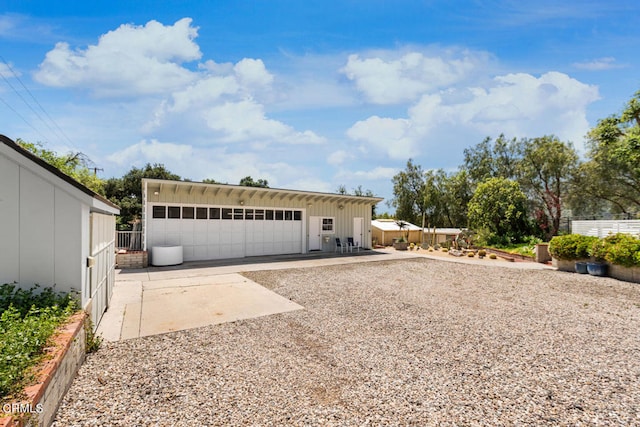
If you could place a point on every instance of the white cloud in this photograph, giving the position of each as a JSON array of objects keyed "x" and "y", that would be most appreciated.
[
  {"x": 377, "y": 173},
  {"x": 151, "y": 152},
  {"x": 338, "y": 157},
  {"x": 128, "y": 61},
  {"x": 251, "y": 73},
  {"x": 246, "y": 121},
  {"x": 197, "y": 163},
  {"x": 392, "y": 136},
  {"x": 518, "y": 105},
  {"x": 6, "y": 70},
  {"x": 600, "y": 64},
  {"x": 390, "y": 78}
]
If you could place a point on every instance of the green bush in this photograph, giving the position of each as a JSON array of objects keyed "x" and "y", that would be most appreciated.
[
  {"x": 25, "y": 329},
  {"x": 620, "y": 249},
  {"x": 572, "y": 246}
]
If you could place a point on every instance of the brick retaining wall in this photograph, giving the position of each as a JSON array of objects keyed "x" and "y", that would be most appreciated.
[
  {"x": 132, "y": 259},
  {"x": 54, "y": 379}
]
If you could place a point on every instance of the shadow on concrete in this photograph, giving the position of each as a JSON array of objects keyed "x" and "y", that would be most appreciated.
[{"x": 258, "y": 260}]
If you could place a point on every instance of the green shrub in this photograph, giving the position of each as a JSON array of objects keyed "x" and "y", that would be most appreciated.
[
  {"x": 620, "y": 249},
  {"x": 493, "y": 256},
  {"x": 482, "y": 252},
  {"x": 572, "y": 246},
  {"x": 25, "y": 329}
]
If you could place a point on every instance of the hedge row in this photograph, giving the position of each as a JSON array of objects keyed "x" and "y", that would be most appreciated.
[{"x": 620, "y": 249}]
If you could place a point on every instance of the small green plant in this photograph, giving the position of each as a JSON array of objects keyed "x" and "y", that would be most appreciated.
[
  {"x": 471, "y": 254},
  {"x": 482, "y": 253},
  {"x": 25, "y": 330},
  {"x": 445, "y": 249},
  {"x": 492, "y": 256},
  {"x": 92, "y": 341}
]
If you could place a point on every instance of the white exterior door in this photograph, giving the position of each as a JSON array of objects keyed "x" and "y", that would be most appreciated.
[
  {"x": 315, "y": 239},
  {"x": 358, "y": 230}
]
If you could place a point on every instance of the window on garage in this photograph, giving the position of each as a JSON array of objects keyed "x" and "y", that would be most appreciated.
[
  {"x": 187, "y": 212},
  {"x": 174, "y": 212},
  {"x": 238, "y": 213},
  {"x": 268, "y": 215},
  {"x": 227, "y": 213},
  {"x": 288, "y": 215},
  {"x": 279, "y": 215},
  {"x": 328, "y": 225},
  {"x": 201, "y": 213},
  {"x": 159, "y": 212},
  {"x": 259, "y": 214},
  {"x": 214, "y": 213},
  {"x": 248, "y": 214},
  {"x": 297, "y": 215}
]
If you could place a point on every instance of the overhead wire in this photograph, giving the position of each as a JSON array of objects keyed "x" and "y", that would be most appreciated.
[{"x": 59, "y": 133}]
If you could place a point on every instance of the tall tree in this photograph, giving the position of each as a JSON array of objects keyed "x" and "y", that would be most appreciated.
[
  {"x": 491, "y": 159},
  {"x": 498, "y": 209},
  {"x": 612, "y": 172},
  {"x": 74, "y": 164},
  {"x": 408, "y": 194},
  {"x": 126, "y": 192},
  {"x": 545, "y": 170}
]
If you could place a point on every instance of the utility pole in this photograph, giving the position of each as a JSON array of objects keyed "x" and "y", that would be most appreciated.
[{"x": 95, "y": 171}]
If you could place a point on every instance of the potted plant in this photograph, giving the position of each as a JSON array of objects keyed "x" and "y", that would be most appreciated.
[
  {"x": 598, "y": 252},
  {"x": 401, "y": 244}
]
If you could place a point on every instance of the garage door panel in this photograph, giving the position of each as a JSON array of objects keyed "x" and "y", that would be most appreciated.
[{"x": 236, "y": 236}]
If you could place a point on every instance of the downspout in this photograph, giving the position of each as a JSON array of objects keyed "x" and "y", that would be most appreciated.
[{"x": 144, "y": 216}]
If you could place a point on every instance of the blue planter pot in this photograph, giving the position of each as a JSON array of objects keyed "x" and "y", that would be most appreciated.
[
  {"x": 597, "y": 269},
  {"x": 581, "y": 267}
]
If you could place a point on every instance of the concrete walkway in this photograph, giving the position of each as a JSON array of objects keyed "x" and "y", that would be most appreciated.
[{"x": 158, "y": 300}]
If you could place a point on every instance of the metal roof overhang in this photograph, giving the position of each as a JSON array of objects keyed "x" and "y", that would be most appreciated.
[{"x": 242, "y": 192}]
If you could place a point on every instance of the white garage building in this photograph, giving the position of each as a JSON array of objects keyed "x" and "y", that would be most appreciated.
[
  {"x": 216, "y": 221},
  {"x": 54, "y": 231}
]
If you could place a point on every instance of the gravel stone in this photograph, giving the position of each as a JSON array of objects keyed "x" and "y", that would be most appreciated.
[{"x": 408, "y": 342}]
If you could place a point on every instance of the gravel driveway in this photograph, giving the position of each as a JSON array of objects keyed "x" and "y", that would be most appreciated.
[{"x": 410, "y": 342}]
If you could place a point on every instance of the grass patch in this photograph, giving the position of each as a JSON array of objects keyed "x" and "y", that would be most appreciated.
[
  {"x": 527, "y": 249},
  {"x": 28, "y": 319}
]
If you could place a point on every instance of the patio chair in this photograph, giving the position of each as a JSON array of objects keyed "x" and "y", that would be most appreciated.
[
  {"x": 351, "y": 244},
  {"x": 340, "y": 245}
]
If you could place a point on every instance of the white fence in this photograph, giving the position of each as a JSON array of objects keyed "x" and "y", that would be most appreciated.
[
  {"x": 130, "y": 240},
  {"x": 602, "y": 228}
]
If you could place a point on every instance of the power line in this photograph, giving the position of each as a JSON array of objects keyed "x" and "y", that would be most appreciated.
[
  {"x": 22, "y": 117},
  {"x": 59, "y": 131}
]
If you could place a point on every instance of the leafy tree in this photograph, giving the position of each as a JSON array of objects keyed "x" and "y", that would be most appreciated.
[
  {"x": 126, "y": 192},
  {"x": 446, "y": 196},
  {"x": 247, "y": 181},
  {"x": 74, "y": 164},
  {"x": 209, "y": 181},
  {"x": 612, "y": 173},
  {"x": 498, "y": 209},
  {"x": 545, "y": 169},
  {"x": 491, "y": 159},
  {"x": 408, "y": 191}
]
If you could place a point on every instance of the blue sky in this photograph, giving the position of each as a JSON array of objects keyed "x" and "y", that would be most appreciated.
[{"x": 309, "y": 95}]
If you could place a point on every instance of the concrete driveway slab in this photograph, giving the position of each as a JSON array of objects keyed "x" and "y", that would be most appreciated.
[{"x": 168, "y": 309}]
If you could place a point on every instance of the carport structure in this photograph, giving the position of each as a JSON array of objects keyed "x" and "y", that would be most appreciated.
[{"x": 217, "y": 221}]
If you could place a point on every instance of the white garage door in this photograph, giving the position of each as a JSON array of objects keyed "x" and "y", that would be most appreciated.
[{"x": 212, "y": 232}]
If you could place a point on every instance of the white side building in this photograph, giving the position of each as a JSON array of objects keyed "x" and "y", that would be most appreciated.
[{"x": 53, "y": 230}]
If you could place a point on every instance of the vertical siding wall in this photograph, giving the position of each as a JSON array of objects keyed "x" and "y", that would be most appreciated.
[
  {"x": 102, "y": 273},
  {"x": 40, "y": 231}
]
